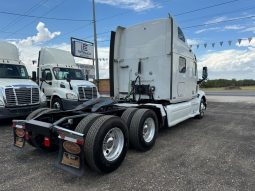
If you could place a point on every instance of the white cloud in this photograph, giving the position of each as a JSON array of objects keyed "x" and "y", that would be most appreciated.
[
  {"x": 206, "y": 30},
  {"x": 250, "y": 29},
  {"x": 42, "y": 35},
  {"x": 193, "y": 41},
  {"x": 217, "y": 19},
  {"x": 136, "y": 5},
  {"x": 230, "y": 63},
  {"x": 233, "y": 27}
]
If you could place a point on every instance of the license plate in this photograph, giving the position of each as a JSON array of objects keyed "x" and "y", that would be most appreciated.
[
  {"x": 71, "y": 160},
  {"x": 19, "y": 142}
]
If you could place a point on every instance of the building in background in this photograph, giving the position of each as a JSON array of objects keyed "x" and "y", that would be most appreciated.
[{"x": 89, "y": 72}]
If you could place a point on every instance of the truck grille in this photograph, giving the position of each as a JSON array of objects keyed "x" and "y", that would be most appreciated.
[
  {"x": 87, "y": 92},
  {"x": 21, "y": 96}
]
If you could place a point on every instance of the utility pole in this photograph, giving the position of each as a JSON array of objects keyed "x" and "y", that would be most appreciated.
[{"x": 95, "y": 43}]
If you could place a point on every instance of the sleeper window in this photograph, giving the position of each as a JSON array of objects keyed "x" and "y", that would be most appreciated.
[
  {"x": 182, "y": 65},
  {"x": 181, "y": 35}
]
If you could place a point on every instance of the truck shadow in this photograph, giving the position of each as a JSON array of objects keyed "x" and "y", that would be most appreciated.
[
  {"x": 8, "y": 121},
  {"x": 5, "y": 122}
]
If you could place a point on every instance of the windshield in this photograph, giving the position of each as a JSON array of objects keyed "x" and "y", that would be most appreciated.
[
  {"x": 73, "y": 74},
  {"x": 13, "y": 71}
]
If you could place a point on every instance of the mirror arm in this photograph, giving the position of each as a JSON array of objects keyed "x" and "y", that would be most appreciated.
[
  {"x": 41, "y": 85},
  {"x": 71, "y": 88},
  {"x": 200, "y": 81}
]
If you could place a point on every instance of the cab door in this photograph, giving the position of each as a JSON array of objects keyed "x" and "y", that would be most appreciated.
[
  {"x": 46, "y": 85},
  {"x": 181, "y": 77}
]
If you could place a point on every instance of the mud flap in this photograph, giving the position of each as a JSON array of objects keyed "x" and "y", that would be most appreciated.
[{"x": 71, "y": 159}]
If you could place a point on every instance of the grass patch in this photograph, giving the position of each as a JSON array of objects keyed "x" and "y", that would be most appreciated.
[{"x": 244, "y": 88}]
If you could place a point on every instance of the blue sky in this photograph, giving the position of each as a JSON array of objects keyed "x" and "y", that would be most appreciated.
[{"x": 235, "y": 61}]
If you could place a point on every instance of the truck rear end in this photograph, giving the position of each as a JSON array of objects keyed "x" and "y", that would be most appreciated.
[{"x": 150, "y": 67}]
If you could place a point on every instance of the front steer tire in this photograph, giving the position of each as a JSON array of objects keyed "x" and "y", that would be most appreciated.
[
  {"x": 202, "y": 108},
  {"x": 143, "y": 119},
  {"x": 57, "y": 103},
  {"x": 97, "y": 134}
]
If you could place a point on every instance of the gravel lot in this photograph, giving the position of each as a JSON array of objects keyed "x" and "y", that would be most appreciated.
[{"x": 215, "y": 153}]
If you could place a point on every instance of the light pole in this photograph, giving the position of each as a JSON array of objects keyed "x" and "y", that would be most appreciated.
[{"x": 95, "y": 42}]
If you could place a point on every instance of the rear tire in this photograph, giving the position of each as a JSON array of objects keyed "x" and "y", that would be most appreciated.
[
  {"x": 128, "y": 115},
  {"x": 143, "y": 129},
  {"x": 85, "y": 124},
  {"x": 106, "y": 144},
  {"x": 36, "y": 113}
]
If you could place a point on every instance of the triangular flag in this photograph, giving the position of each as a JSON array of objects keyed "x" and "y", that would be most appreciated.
[
  {"x": 213, "y": 44},
  {"x": 221, "y": 43},
  {"x": 239, "y": 41},
  {"x": 197, "y": 45},
  {"x": 205, "y": 45},
  {"x": 250, "y": 39},
  {"x": 229, "y": 42}
]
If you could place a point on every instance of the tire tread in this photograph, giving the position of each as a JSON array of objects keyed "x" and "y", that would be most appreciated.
[{"x": 90, "y": 139}]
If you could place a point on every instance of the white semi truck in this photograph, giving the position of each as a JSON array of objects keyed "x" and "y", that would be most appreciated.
[
  {"x": 62, "y": 81},
  {"x": 19, "y": 95},
  {"x": 154, "y": 84}
]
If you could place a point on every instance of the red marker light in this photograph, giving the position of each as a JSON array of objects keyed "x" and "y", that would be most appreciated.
[
  {"x": 80, "y": 141},
  {"x": 46, "y": 142}
]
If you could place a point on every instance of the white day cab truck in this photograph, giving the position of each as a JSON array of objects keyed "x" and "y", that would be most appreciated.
[
  {"x": 154, "y": 84},
  {"x": 19, "y": 95},
  {"x": 62, "y": 81}
]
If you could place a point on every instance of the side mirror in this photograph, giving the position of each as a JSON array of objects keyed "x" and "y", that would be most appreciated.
[
  {"x": 48, "y": 77},
  {"x": 205, "y": 73},
  {"x": 34, "y": 76},
  {"x": 68, "y": 79},
  {"x": 42, "y": 79}
]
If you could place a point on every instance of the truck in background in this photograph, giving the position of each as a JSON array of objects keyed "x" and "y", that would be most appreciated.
[
  {"x": 62, "y": 81},
  {"x": 154, "y": 82},
  {"x": 19, "y": 95}
]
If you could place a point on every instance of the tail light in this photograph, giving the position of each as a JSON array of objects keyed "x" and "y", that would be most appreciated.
[{"x": 46, "y": 142}]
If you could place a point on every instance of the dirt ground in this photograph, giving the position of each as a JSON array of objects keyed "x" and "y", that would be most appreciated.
[{"x": 215, "y": 153}]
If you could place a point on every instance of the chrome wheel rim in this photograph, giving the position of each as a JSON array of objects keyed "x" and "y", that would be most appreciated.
[
  {"x": 202, "y": 109},
  {"x": 56, "y": 105},
  {"x": 149, "y": 129},
  {"x": 113, "y": 144}
]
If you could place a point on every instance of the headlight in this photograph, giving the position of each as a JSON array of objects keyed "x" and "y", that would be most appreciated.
[
  {"x": 71, "y": 96},
  {"x": 43, "y": 97}
]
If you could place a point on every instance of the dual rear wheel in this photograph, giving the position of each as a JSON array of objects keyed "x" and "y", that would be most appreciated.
[
  {"x": 106, "y": 141},
  {"x": 107, "y": 137},
  {"x": 143, "y": 127}
]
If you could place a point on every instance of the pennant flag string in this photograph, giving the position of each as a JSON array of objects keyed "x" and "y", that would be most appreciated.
[{"x": 229, "y": 42}]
